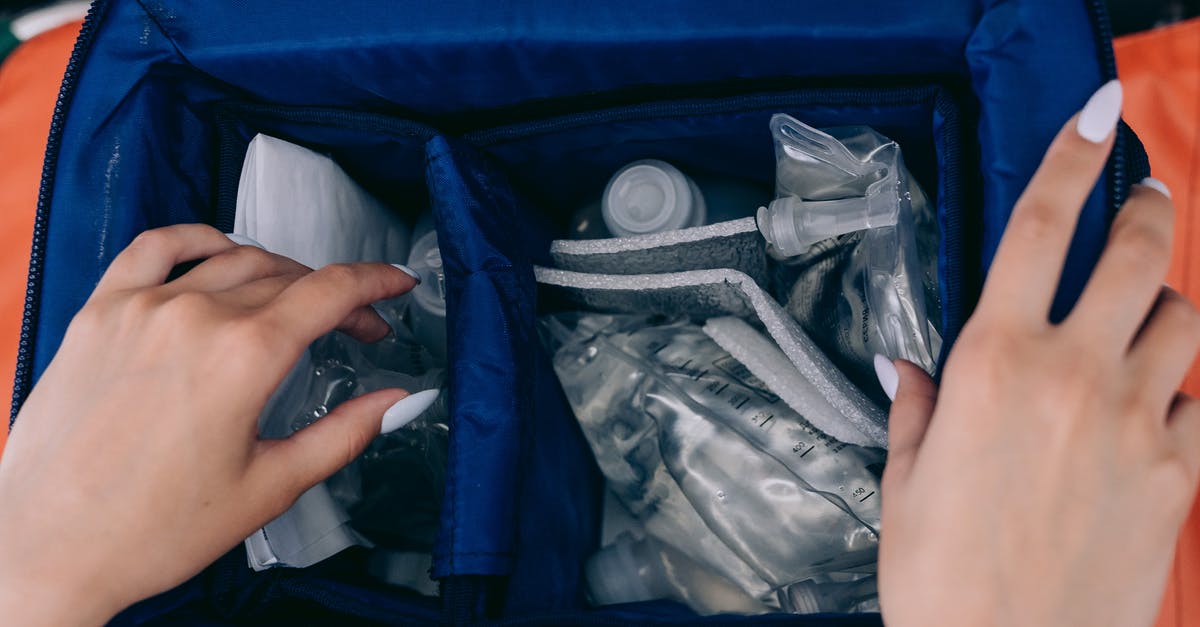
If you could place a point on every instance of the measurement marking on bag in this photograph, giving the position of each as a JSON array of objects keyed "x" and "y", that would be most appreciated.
[{"x": 742, "y": 374}]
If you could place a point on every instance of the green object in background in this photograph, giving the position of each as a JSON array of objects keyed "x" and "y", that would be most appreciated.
[{"x": 8, "y": 41}]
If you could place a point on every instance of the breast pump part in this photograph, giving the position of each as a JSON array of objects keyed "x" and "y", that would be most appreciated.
[
  {"x": 708, "y": 460},
  {"x": 844, "y": 221},
  {"x": 825, "y": 190},
  {"x": 301, "y": 204},
  {"x": 651, "y": 196}
]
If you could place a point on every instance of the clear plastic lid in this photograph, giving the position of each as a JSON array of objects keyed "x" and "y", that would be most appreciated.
[{"x": 651, "y": 196}]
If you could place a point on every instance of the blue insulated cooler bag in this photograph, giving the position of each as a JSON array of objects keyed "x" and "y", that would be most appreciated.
[{"x": 502, "y": 117}]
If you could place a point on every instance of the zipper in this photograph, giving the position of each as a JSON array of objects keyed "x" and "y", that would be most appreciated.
[
  {"x": 1118, "y": 166},
  {"x": 23, "y": 378}
]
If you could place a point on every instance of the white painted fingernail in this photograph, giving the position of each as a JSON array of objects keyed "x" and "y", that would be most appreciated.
[
  {"x": 1100, "y": 114},
  {"x": 409, "y": 271},
  {"x": 889, "y": 377},
  {"x": 1156, "y": 185},
  {"x": 242, "y": 240},
  {"x": 407, "y": 409}
]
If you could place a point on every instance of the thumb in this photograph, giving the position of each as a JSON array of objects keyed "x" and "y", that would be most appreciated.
[
  {"x": 312, "y": 454},
  {"x": 914, "y": 395}
]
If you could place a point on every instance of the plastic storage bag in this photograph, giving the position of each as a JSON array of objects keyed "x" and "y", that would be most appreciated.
[
  {"x": 352, "y": 507},
  {"x": 847, "y": 222},
  {"x": 709, "y": 460}
]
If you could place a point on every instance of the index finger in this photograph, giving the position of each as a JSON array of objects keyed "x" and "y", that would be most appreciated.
[
  {"x": 1028, "y": 264},
  {"x": 321, "y": 301},
  {"x": 149, "y": 258}
]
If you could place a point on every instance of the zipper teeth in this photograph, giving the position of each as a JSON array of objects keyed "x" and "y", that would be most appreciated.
[
  {"x": 24, "y": 370},
  {"x": 1117, "y": 166}
]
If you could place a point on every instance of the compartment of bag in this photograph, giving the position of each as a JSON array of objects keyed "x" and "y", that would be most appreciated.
[
  {"x": 530, "y": 514},
  {"x": 559, "y": 164}
]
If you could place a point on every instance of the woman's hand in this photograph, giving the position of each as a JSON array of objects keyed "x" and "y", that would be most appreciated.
[
  {"x": 135, "y": 462},
  {"x": 1046, "y": 482}
]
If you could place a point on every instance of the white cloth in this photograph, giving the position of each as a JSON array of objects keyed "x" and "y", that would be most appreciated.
[{"x": 301, "y": 204}]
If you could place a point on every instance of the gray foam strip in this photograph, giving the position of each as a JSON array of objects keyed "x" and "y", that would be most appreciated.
[
  {"x": 724, "y": 292},
  {"x": 735, "y": 244}
]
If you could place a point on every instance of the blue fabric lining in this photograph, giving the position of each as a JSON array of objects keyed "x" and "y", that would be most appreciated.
[
  {"x": 1033, "y": 65},
  {"x": 139, "y": 146}
]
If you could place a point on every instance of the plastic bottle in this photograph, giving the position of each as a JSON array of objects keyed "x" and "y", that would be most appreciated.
[
  {"x": 427, "y": 305},
  {"x": 632, "y": 570},
  {"x": 653, "y": 196}
]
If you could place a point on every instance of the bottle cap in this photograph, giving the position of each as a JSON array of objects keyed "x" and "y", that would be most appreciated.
[{"x": 651, "y": 196}]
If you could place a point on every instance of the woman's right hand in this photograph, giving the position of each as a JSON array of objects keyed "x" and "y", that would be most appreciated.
[
  {"x": 1045, "y": 483},
  {"x": 136, "y": 460}
]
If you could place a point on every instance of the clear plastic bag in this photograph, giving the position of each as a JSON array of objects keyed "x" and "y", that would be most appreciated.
[
  {"x": 847, "y": 222},
  {"x": 391, "y": 494},
  {"x": 709, "y": 460}
]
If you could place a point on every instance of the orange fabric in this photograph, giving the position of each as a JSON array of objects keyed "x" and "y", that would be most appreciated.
[
  {"x": 1160, "y": 70},
  {"x": 29, "y": 82}
]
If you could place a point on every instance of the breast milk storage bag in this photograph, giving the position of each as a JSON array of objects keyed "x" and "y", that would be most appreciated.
[{"x": 659, "y": 248}]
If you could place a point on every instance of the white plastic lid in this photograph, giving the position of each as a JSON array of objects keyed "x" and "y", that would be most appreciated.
[
  {"x": 426, "y": 258},
  {"x": 651, "y": 196}
]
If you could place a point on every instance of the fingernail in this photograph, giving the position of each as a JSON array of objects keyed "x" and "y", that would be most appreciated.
[
  {"x": 242, "y": 240},
  {"x": 1156, "y": 185},
  {"x": 407, "y": 409},
  {"x": 1100, "y": 114},
  {"x": 889, "y": 378},
  {"x": 409, "y": 271}
]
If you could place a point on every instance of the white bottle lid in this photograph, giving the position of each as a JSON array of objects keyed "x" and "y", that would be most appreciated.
[{"x": 651, "y": 196}]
